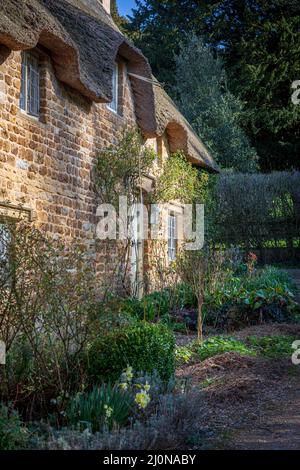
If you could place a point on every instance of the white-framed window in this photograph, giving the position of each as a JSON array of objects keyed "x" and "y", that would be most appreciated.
[
  {"x": 113, "y": 105},
  {"x": 30, "y": 84},
  {"x": 172, "y": 236}
]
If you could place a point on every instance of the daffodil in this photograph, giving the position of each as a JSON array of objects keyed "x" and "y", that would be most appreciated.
[
  {"x": 142, "y": 399},
  {"x": 108, "y": 411},
  {"x": 123, "y": 385}
]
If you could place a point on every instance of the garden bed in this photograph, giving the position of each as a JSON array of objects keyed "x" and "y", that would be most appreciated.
[{"x": 243, "y": 393}]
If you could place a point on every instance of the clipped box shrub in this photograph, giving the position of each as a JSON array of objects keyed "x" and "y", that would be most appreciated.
[{"x": 144, "y": 346}]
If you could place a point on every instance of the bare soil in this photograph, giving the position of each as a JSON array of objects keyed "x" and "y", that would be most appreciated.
[{"x": 250, "y": 402}]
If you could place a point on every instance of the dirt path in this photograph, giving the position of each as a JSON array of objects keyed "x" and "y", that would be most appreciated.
[
  {"x": 251, "y": 402},
  {"x": 278, "y": 430}
]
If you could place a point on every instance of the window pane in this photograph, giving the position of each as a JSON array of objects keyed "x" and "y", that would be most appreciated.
[
  {"x": 114, "y": 103},
  {"x": 33, "y": 86},
  {"x": 23, "y": 84},
  {"x": 30, "y": 84},
  {"x": 172, "y": 237}
]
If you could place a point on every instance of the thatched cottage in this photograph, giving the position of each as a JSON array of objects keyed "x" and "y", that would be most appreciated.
[{"x": 69, "y": 81}]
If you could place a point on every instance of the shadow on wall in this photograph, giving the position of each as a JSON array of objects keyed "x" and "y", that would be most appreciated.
[{"x": 4, "y": 53}]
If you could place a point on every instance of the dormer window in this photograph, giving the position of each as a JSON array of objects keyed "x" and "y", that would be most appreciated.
[
  {"x": 30, "y": 84},
  {"x": 113, "y": 105}
]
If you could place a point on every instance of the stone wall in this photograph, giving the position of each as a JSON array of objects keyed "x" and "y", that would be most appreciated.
[{"x": 46, "y": 165}]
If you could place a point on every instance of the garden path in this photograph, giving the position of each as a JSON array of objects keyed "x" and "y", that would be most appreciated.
[
  {"x": 276, "y": 430},
  {"x": 252, "y": 402}
]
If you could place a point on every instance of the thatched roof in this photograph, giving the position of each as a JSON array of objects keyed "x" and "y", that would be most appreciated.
[
  {"x": 180, "y": 133},
  {"x": 84, "y": 43}
]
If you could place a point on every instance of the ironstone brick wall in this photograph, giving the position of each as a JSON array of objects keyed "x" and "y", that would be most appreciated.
[{"x": 47, "y": 164}]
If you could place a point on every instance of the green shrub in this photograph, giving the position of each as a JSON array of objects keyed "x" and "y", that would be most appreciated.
[
  {"x": 103, "y": 406},
  {"x": 272, "y": 346},
  {"x": 266, "y": 296},
  {"x": 183, "y": 355},
  {"x": 219, "y": 345},
  {"x": 271, "y": 276},
  {"x": 13, "y": 435},
  {"x": 145, "y": 347},
  {"x": 160, "y": 304},
  {"x": 184, "y": 297}
]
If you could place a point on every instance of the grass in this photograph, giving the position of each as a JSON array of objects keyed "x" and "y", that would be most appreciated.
[
  {"x": 272, "y": 346},
  {"x": 183, "y": 355},
  {"x": 219, "y": 345},
  {"x": 267, "y": 346}
]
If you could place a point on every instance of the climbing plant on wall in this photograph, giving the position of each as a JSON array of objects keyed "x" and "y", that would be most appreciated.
[
  {"x": 179, "y": 180},
  {"x": 120, "y": 167}
]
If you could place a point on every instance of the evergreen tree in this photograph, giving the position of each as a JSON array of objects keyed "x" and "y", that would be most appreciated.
[
  {"x": 203, "y": 96},
  {"x": 119, "y": 20},
  {"x": 261, "y": 50},
  {"x": 259, "y": 41},
  {"x": 156, "y": 27}
]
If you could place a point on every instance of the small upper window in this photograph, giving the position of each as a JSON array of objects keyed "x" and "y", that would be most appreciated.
[
  {"x": 172, "y": 237},
  {"x": 113, "y": 105},
  {"x": 30, "y": 84}
]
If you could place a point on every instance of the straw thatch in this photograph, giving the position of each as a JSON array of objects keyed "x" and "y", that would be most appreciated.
[{"x": 84, "y": 42}]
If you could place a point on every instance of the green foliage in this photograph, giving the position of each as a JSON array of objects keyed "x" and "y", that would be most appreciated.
[
  {"x": 105, "y": 406},
  {"x": 181, "y": 181},
  {"x": 219, "y": 345},
  {"x": 113, "y": 312},
  {"x": 157, "y": 28},
  {"x": 267, "y": 346},
  {"x": 214, "y": 112},
  {"x": 120, "y": 166},
  {"x": 254, "y": 210},
  {"x": 271, "y": 276},
  {"x": 149, "y": 308},
  {"x": 119, "y": 20},
  {"x": 268, "y": 62},
  {"x": 272, "y": 346},
  {"x": 183, "y": 355},
  {"x": 261, "y": 62},
  {"x": 13, "y": 436},
  {"x": 146, "y": 347},
  {"x": 177, "y": 418},
  {"x": 160, "y": 304},
  {"x": 46, "y": 300},
  {"x": 200, "y": 270},
  {"x": 249, "y": 300}
]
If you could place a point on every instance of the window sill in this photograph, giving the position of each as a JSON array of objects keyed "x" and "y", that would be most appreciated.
[
  {"x": 114, "y": 112},
  {"x": 28, "y": 117}
]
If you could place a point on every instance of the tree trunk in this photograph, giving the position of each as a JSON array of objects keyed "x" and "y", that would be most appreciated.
[{"x": 200, "y": 320}]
